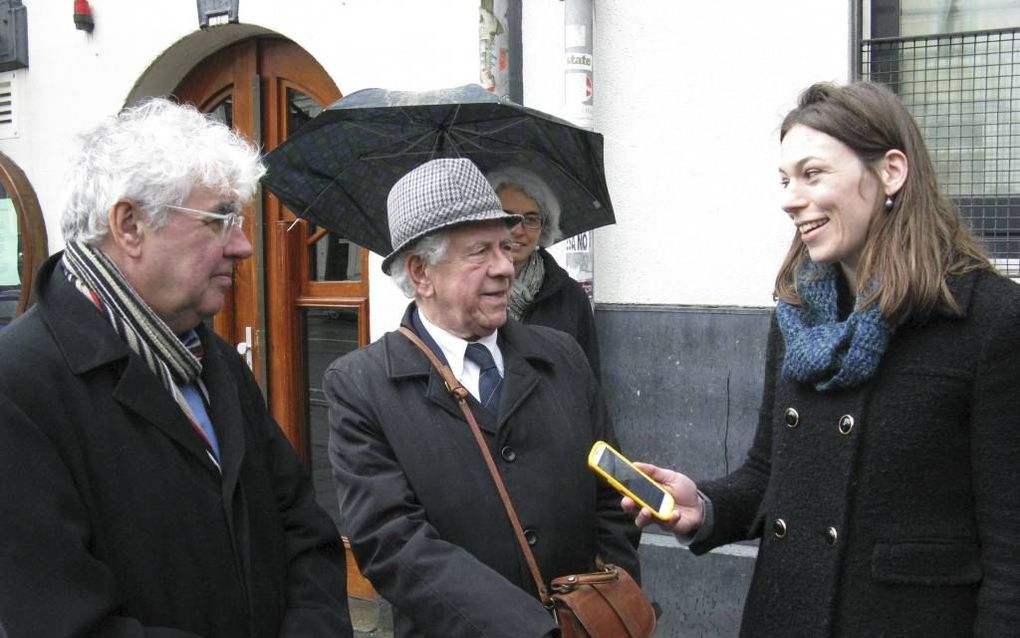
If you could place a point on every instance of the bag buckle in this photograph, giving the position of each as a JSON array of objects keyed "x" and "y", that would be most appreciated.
[{"x": 567, "y": 584}]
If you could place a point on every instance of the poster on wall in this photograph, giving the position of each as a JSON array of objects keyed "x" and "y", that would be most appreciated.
[{"x": 8, "y": 244}]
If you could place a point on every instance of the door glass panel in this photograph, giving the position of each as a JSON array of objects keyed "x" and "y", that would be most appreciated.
[
  {"x": 12, "y": 259},
  {"x": 330, "y": 256},
  {"x": 300, "y": 109},
  {"x": 224, "y": 114},
  {"x": 329, "y": 333}
]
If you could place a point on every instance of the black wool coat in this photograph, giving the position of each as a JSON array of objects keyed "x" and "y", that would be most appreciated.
[
  {"x": 114, "y": 522},
  {"x": 892, "y": 509},
  {"x": 425, "y": 521},
  {"x": 563, "y": 304}
]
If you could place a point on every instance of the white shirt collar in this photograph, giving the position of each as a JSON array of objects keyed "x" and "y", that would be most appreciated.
[{"x": 453, "y": 348}]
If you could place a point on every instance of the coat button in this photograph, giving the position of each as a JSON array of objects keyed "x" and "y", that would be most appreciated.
[
  {"x": 779, "y": 528},
  {"x": 792, "y": 418},
  {"x": 846, "y": 424},
  {"x": 531, "y": 537},
  {"x": 508, "y": 453},
  {"x": 831, "y": 535}
]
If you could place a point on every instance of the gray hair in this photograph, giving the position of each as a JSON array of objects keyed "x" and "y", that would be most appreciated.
[
  {"x": 532, "y": 185},
  {"x": 431, "y": 249},
  {"x": 155, "y": 154}
]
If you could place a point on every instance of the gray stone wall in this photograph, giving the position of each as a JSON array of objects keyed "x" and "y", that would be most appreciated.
[{"x": 683, "y": 386}]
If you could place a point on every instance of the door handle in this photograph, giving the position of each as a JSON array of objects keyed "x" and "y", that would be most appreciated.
[{"x": 245, "y": 348}]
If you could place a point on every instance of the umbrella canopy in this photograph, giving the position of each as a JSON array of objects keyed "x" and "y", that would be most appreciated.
[{"x": 337, "y": 169}]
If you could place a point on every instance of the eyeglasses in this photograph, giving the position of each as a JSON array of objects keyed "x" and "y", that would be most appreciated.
[
  {"x": 224, "y": 221},
  {"x": 531, "y": 220}
]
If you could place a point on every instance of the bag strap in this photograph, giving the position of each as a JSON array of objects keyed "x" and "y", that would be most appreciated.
[{"x": 460, "y": 393}]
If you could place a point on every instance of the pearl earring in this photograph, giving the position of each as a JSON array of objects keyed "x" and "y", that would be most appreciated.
[{"x": 888, "y": 204}]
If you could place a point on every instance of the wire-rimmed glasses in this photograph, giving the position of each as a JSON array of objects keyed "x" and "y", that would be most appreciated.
[
  {"x": 226, "y": 220},
  {"x": 530, "y": 220}
]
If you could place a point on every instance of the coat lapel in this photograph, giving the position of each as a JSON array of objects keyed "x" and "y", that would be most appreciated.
[
  {"x": 226, "y": 415},
  {"x": 520, "y": 354},
  {"x": 88, "y": 342},
  {"x": 519, "y": 374},
  {"x": 141, "y": 392},
  {"x": 405, "y": 361}
]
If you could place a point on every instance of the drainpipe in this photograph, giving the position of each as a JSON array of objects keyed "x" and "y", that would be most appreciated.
[{"x": 578, "y": 108}]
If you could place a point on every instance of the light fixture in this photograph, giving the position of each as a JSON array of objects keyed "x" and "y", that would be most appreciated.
[
  {"x": 13, "y": 35},
  {"x": 216, "y": 12}
]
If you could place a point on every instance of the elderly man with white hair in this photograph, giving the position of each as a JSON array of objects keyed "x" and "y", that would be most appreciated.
[
  {"x": 417, "y": 501},
  {"x": 147, "y": 491}
]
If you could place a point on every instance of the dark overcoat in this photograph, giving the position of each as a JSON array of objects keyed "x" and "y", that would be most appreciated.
[
  {"x": 892, "y": 509},
  {"x": 561, "y": 303},
  {"x": 424, "y": 518},
  {"x": 114, "y": 521}
]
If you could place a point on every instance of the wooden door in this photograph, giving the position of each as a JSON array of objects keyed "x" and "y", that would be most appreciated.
[{"x": 304, "y": 294}]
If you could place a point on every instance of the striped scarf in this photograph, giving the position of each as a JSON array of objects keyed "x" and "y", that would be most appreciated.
[{"x": 146, "y": 334}]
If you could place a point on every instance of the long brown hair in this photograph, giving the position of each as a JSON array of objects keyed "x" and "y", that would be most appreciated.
[{"x": 911, "y": 249}]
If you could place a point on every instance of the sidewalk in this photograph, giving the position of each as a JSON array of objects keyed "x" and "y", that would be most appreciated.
[{"x": 371, "y": 618}]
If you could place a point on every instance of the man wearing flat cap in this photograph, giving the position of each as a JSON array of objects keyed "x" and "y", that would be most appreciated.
[{"x": 425, "y": 520}]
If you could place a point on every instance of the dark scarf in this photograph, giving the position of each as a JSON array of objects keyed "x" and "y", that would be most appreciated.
[
  {"x": 821, "y": 350},
  {"x": 146, "y": 334}
]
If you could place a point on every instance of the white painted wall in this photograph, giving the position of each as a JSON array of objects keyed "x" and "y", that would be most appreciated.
[
  {"x": 74, "y": 78},
  {"x": 688, "y": 96}
]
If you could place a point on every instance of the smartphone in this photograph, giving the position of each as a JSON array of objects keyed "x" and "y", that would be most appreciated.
[{"x": 629, "y": 480}]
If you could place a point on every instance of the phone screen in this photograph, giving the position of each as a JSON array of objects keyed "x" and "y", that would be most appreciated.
[{"x": 631, "y": 478}]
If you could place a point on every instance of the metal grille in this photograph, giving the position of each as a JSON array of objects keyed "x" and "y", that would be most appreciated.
[{"x": 964, "y": 91}]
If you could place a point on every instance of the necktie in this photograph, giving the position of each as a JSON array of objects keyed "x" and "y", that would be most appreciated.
[{"x": 489, "y": 379}]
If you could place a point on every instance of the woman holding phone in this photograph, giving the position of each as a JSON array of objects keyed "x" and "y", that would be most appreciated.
[{"x": 883, "y": 477}]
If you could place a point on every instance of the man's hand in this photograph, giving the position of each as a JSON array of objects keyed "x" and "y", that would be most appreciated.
[{"x": 688, "y": 511}]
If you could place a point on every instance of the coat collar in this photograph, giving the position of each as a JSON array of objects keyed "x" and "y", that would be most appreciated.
[
  {"x": 523, "y": 357},
  {"x": 82, "y": 333},
  {"x": 555, "y": 277},
  {"x": 88, "y": 342},
  {"x": 962, "y": 289}
]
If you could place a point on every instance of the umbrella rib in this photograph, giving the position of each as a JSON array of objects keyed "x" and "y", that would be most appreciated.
[
  {"x": 443, "y": 133},
  {"x": 410, "y": 143},
  {"x": 468, "y": 137}
]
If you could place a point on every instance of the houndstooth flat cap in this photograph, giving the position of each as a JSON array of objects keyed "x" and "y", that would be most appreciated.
[{"x": 436, "y": 195}]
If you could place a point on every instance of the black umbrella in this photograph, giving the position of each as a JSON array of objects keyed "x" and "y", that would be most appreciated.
[{"x": 337, "y": 169}]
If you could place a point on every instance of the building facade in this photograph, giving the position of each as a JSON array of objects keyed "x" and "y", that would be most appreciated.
[{"x": 688, "y": 96}]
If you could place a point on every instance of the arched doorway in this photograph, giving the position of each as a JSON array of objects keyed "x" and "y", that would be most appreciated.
[{"x": 302, "y": 300}]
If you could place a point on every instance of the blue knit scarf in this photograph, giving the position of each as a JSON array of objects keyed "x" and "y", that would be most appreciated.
[{"x": 821, "y": 350}]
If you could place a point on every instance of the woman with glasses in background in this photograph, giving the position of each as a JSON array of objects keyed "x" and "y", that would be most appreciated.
[{"x": 543, "y": 293}]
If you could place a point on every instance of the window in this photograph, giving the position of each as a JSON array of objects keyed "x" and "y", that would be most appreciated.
[
  {"x": 956, "y": 65},
  {"x": 22, "y": 240}
]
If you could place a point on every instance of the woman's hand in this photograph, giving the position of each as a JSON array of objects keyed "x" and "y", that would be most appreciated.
[{"x": 688, "y": 511}]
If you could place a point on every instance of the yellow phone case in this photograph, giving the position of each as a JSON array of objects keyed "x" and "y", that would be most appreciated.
[{"x": 620, "y": 487}]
